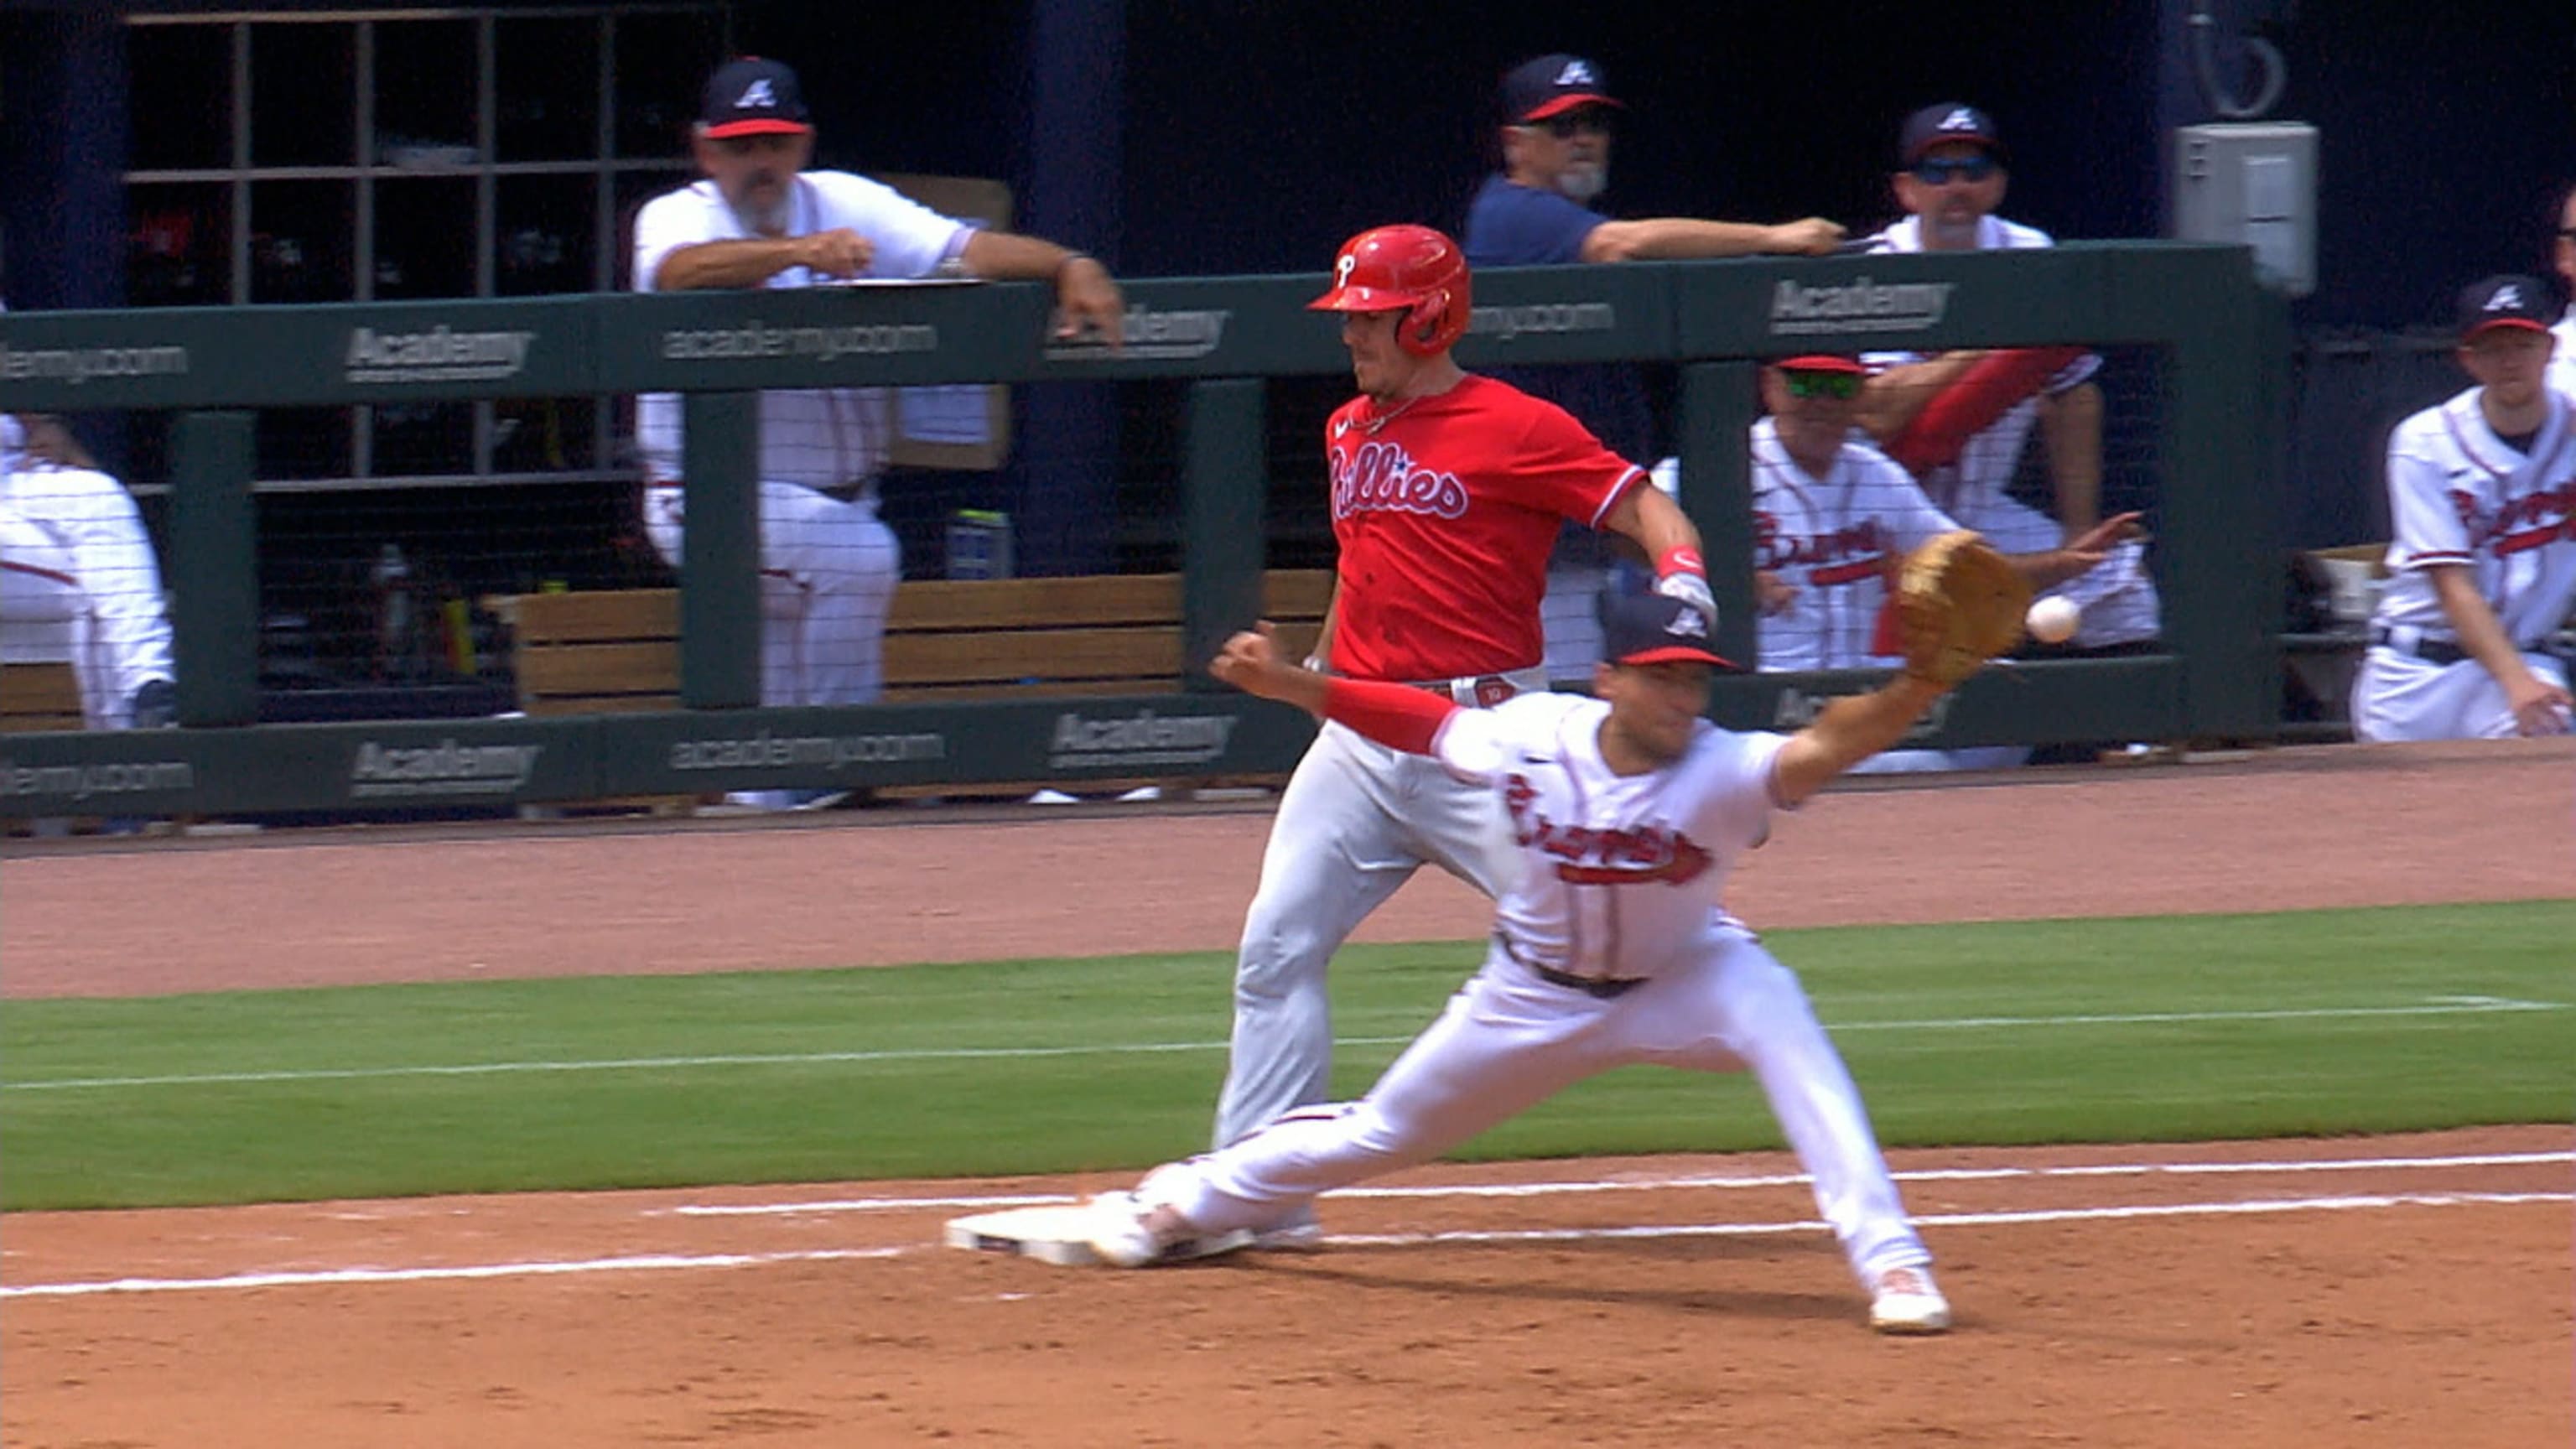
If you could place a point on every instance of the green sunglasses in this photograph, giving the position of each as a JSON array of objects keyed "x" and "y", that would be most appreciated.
[{"x": 1840, "y": 386}]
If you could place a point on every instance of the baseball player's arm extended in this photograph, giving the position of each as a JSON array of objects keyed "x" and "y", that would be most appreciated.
[
  {"x": 2080, "y": 555},
  {"x": 1657, "y": 525},
  {"x": 1680, "y": 238},
  {"x": 2539, "y": 707},
  {"x": 1849, "y": 731},
  {"x": 752, "y": 261},
  {"x": 2070, "y": 423}
]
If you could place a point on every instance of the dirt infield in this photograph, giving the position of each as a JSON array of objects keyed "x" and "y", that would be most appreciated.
[{"x": 2362, "y": 1292}]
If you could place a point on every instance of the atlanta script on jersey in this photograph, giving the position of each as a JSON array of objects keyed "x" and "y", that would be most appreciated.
[
  {"x": 1445, "y": 508},
  {"x": 1619, "y": 876},
  {"x": 2458, "y": 495}
]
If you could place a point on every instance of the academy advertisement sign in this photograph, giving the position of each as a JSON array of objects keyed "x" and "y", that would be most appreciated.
[
  {"x": 1081, "y": 740},
  {"x": 1860, "y": 305},
  {"x": 438, "y": 354},
  {"x": 445, "y": 770}
]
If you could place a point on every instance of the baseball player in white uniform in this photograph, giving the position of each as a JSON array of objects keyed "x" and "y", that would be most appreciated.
[
  {"x": 1953, "y": 178},
  {"x": 1832, "y": 518},
  {"x": 828, "y": 564},
  {"x": 79, "y": 582},
  {"x": 2482, "y": 567},
  {"x": 1611, "y": 946}
]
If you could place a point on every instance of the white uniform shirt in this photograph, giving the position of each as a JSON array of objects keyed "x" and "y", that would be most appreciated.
[
  {"x": 1833, "y": 539},
  {"x": 2562, "y": 363},
  {"x": 1618, "y": 876},
  {"x": 2458, "y": 495},
  {"x": 1976, "y": 489},
  {"x": 92, "y": 525},
  {"x": 821, "y": 437}
]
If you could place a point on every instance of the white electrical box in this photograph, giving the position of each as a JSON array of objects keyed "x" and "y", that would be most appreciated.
[{"x": 2256, "y": 183}]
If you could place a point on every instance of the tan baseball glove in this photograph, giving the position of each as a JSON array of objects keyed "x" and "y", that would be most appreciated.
[{"x": 1958, "y": 604}]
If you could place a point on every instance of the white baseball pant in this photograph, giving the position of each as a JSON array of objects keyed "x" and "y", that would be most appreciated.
[
  {"x": 1509, "y": 1040},
  {"x": 1356, "y": 821},
  {"x": 828, "y": 571}
]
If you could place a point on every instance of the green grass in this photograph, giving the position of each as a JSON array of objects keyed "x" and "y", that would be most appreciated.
[{"x": 1043, "y": 1066}]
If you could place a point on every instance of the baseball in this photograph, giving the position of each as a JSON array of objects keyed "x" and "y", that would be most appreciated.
[{"x": 2052, "y": 620}]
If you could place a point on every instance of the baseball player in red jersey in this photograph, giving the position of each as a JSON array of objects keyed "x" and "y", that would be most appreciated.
[
  {"x": 1447, "y": 493},
  {"x": 1612, "y": 946}
]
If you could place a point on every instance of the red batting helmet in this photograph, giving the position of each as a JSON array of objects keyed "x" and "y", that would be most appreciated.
[{"x": 1411, "y": 269}]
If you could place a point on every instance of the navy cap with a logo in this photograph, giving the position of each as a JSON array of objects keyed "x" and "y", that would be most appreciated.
[
  {"x": 1551, "y": 85},
  {"x": 754, "y": 97},
  {"x": 2506, "y": 301},
  {"x": 1949, "y": 121},
  {"x": 1656, "y": 629}
]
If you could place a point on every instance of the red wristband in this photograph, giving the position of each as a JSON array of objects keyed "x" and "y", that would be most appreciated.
[{"x": 1681, "y": 558}]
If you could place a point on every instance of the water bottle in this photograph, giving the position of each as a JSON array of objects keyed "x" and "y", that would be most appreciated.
[{"x": 397, "y": 622}]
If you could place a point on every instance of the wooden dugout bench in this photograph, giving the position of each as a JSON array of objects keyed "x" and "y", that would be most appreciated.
[
  {"x": 37, "y": 697},
  {"x": 1111, "y": 634}
]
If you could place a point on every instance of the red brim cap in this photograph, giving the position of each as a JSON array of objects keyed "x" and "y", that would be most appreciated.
[
  {"x": 1822, "y": 362},
  {"x": 2518, "y": 324},
  {"x": 1674, "y": 654},
  {"x": 757, "y": 128},
  {"x": 1559, "y": 105}
]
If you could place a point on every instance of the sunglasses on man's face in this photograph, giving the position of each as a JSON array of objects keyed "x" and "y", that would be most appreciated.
[
  {"x": 1567, "y": 126},
  {"x": 1938, "y": 172},
  {"x": 1840, "y": 386}
]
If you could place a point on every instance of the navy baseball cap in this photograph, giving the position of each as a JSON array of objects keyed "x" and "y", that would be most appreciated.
[
  {"x": 2506, "y": 301},
  {"x": 1948, "y": 121},
  {"x": 754, "y": 97},
  {"x": 1537, "y": 89},
  {"x": 1656, "y": 629}
]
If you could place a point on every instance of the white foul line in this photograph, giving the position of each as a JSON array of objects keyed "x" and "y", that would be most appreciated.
[
  {"x": 674, "y": 1262},
  {"x": 2435, "y": 1006},
  {"x": 1659, "y": 1183}
]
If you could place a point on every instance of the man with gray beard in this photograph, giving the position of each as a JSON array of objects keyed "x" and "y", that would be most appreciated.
[
  {"x": 828, "y": 564},
  {"x": 1557, "y": 117}
]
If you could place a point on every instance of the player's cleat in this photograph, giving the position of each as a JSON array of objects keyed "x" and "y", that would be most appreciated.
[
  {"x": 1297, "y": 1235},
  {"x": 1906, "y": 1301},
  {"x": 1128, "y": 1233}
]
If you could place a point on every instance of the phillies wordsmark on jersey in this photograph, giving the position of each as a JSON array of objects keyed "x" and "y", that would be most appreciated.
[
  {"x": 1445, "y": 508},
  {"x": 1619, "y": 876},
  {"x": 2458, "y": 495}
]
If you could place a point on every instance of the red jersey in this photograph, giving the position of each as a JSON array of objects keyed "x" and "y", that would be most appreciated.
[{"x": 1446, "y": 509}]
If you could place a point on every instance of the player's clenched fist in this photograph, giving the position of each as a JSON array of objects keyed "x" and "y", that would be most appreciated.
[
  {"x": 1250, "y": 660},
  {"x": 839, "y": 252}
]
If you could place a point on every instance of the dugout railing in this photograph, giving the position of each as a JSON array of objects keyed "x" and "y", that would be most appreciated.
[{"x": 2221, "y": 341}]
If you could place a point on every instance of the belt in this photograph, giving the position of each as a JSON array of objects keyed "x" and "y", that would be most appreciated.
[
  {"x": 2409, "y": 641},
  {"x": 1602, "y": 987},
  {"x": 1484, "y": 691}
]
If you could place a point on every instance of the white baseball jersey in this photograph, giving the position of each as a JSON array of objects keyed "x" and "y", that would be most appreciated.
[
  {"x": 2562, "y": 363},
  {"x": 1618, "y": 876},
  {"x": 1974, "y": 489},
  {"x": 2119, "y": 596},
  {"x": 819, "y": 437},
  {"x": 2458, "y": 495},
  {"x": 85, "y": 580},
  {"x": 1833, "y": 539}
]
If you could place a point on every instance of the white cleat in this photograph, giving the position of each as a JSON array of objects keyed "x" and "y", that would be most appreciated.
[
  {"x": 1906, "y": 1301},
  {"x": 1297, "y": 1235},
  {"x": 1128, "y": 1233}
]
